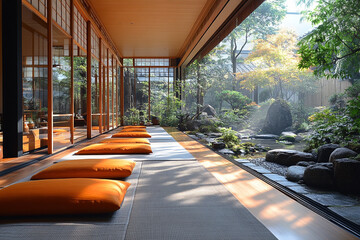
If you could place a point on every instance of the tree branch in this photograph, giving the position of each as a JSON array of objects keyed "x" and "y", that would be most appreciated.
[{"x": 242, "y": 47}]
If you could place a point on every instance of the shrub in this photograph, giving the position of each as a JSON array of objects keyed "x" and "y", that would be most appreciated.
[
  {"x": 335, "y": 126},
  {"x": 229, "y": 137}
]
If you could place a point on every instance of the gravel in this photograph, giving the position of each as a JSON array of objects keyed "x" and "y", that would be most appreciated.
[{"x": 272, "y": 167}]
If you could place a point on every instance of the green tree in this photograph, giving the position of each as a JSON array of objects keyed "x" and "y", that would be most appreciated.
[
  {"x": 263, "y": 21},
  {"x": 333, "y": 47},
  {"x": 236, "y": 99},
  {"x": 276, "y": 61}
]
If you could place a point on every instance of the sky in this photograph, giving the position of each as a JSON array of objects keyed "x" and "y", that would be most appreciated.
[{"x": 293, "y": 21}]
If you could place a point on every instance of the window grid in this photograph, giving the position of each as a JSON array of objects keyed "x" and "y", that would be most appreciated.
[
  {"x": 149, "y": 62},
  {"x": 61, "y": 14},
  {"x": 79, "y": 29},
  {"x": 94, "y": 44},
  {"x": 40, "y": 5}
]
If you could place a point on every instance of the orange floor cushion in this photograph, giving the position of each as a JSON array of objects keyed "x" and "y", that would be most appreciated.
[
  {"x": 125, "y": 140},
  {"x": 62, "y": 196},
  {"x": 131, "y": 135},
  {"x": 88, "y": 168},
  {"x": 134, "y": 130},
  {"x": 57, "y": 130},
  {"x": 133, "y": 127},
  {"x": 115, "y": 148}
]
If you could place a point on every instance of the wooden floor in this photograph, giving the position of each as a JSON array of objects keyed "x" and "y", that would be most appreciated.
[{"x": 283, "y": 216}]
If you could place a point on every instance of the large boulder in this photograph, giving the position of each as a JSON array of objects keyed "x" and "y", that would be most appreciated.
[
  {"x": 295, "y": 173},
  {"x": 341, "y": 153},
  {"x": 347, "y": 175},
  {"x": 324, "y": 151},
  {"x": 278, "y": 118},
  {"x": 209, "y": 110},
  {"x": 288, "y": 136},
  {"x": 319, "y": 175},
  {"x": 288, "y": 157}
]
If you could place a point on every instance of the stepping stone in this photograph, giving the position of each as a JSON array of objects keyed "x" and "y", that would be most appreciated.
[
  {"x": 350, "y": 213},
  {"x": 332, "y": 199}
]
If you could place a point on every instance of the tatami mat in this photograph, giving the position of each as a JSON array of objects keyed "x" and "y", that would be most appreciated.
[{"x": 182, "y": 200}]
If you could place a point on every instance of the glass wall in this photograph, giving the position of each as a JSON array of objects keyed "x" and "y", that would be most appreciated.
[
  {"x": 111, "y": 88},
  {"x": 142, "y": 92},
  {"x": 159, "y": 78},
  {"x": 80, "y": 97},
  {"x": 61, "y": 89},
  {"x": 95, "y": 83},
  {"x": 95, "y": 97},
  {"x": 148, "y": 80},
  {"x": 35, "y": 81},
  {"x": 104, "y": 77}
]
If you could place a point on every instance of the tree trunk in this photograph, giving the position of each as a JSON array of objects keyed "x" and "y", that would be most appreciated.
[
  {"x": 256, "y": 94},
  {"x": 198, "y": 90},
  {"x": 233, "y": 48}
]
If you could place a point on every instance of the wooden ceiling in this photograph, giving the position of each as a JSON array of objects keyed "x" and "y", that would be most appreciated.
[
  {"x": 169, "y": 28},
  {"x": 149, "y": 28}
]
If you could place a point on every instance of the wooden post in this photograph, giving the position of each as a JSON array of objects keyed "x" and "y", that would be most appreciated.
[
  {"x": 100, "y": 88},
  {"x": 108, "y": 91},
  {"x": 88, "y": 89},
  {"x": 112, "y": 89},
  {"x": 149, "y": 92},
  {"x": 117, "y": 96},
  {"x": 72, "y": 71},
  {"x": 122, "y": 92},
  {"x": 50, "y": 78},
  {"x": 12, "y": 78}
]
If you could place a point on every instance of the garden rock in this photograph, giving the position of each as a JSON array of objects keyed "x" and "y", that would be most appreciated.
[
  {"x": 200, "y": 135},
  {"x": 210, "y": 140},
  {"x": 341, "y": 153},
  {"x": 215, "y": 135},
  {"x": 245, "y": 133},
  {"x": 288, "y": 136},
  {"x": 324, "y": 152},
  {"x": 295, "y": 173},
  {"x": 209, "y": 110},
  {"x": 265, "y": 136},
  {"x": 226, "y": 151},
  {"x": 347, "y": 175},
  {"x": 319, "y": 175},
  {"x": 278, "y": 118},
  {"x": 288, "y": 157},
  {"x": 194, "y": 137},
  {"x": 218, "y": 145},
  {"x": 305, "y": 164},
  {"x": 300, "y": 157}
]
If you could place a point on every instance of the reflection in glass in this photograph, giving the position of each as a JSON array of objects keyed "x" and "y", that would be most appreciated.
[
  {"x": 95, "y": 96},
  {"x": 61, "y": 89},
  {"x": 35, "y": 79},
  {"x": 142, "y": 93},
  {"x": 159, "y": 78},
  {"x": 80, "y": 87}
]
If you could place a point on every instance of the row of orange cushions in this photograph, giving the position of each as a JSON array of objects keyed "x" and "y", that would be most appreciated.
[{"x": 78, "y": 194}]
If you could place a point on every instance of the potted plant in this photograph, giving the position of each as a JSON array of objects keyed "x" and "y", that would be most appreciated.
[{"x": 31, "y": 124}]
